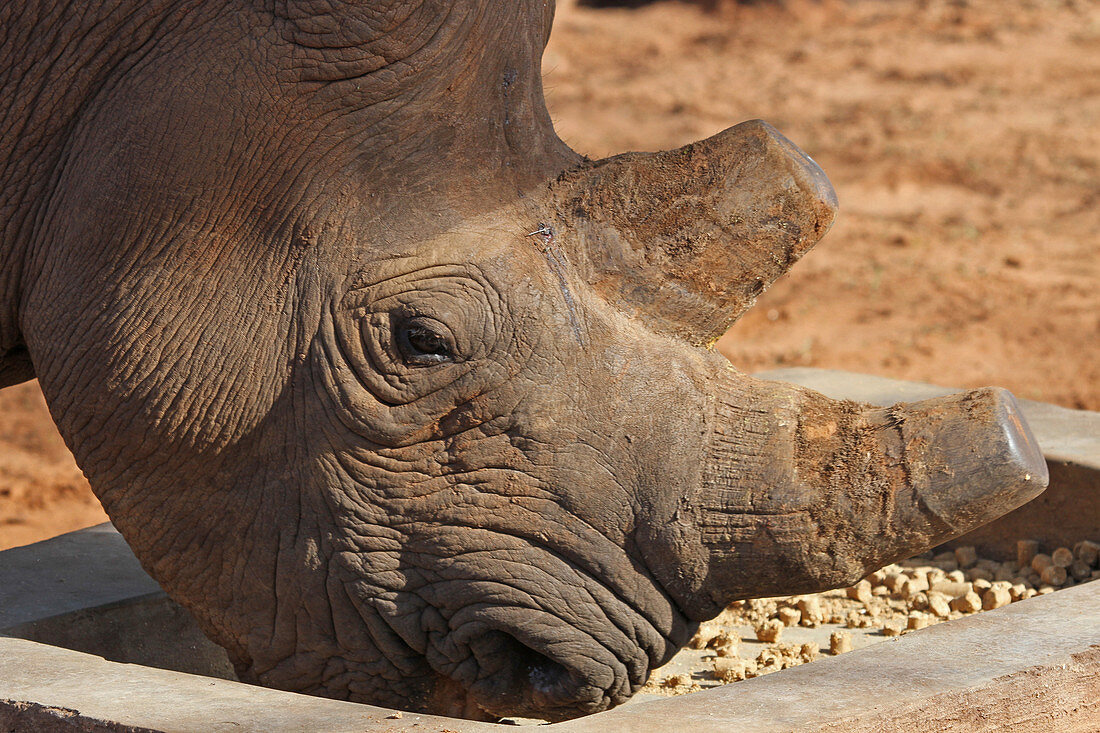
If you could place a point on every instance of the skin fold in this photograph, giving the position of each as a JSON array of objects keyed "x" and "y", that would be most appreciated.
[{"x": 404, "y": 400}]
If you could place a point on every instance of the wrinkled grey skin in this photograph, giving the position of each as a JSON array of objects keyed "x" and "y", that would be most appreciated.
[{"x": 218, "y": 220}]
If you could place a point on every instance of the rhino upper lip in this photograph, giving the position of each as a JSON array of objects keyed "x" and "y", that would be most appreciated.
[
  {"x": 518, "y": 660},
  {"x": 542, "y": 679}
]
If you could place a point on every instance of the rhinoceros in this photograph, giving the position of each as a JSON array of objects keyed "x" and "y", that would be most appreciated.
[{"x": 407, "y": 402}]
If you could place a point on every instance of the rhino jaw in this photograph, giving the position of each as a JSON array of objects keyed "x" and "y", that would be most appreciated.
[{"x": 801, "y": 493}]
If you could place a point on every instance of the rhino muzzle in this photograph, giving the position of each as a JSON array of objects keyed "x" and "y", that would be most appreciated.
[{"x": 797, "y": 492}]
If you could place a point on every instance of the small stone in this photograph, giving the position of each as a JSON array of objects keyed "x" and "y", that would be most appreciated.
[
  {"x": 1088, "y": 552},
  {"x": 952, "y": 589},
  {"x": 981, "y": 585},
  {"x": 918, "y": 601},
  {"x": 1062, "y": 557},
  {"x": 1045, "y": 590},
  {"x": 861, "y": 591},
  {"x": 704, "y": 636},
  {"x": 979, "y": 573},
  {"x": 876, "y": 577},
  {"x": 1030, "y": 593},
  {"x": 726, "y": 644},
  {"x": 1006, "y": 571},
  {"x": 840, "y": 642},
  {"x": 809, "y": 651},
  {"x": 914, "y": 585},
  {"x": 892, "y": 628},
  {"x": 939, "y": 604},
  {"x": 676, "y": 680},
  {"x": 934, "y": 575},
  {"x": 728, "y": 669},
  {"x": 395, "y": 715},
  {"x": 968, "y": 603},
  {"x": 917, "y": 621},
  {"x": 893, "y": 581},
  {"x": 1040, "y": 562},
  {"x": 769, "y": 631},
  {"x": 880, "y": 590},
  {"x": 811, "y": 611},
  {"x": 946, "y": 565},
  {"x": 762, "y": 607},
  {"x": 995, "y": 598},
  {"x": 789, "y": 616},
  {"x": 1080, "y": 570},
  {"x": 857, "y": 620},
  {"x": 1053, "y": 575},
  {"x": 956, "y": 576},
  {"x": 770, "y": 658},
  {"x": 966, "y": 556},
  {"x": 1017, "y": 592},
  {"x": 1025, "y": 551}
]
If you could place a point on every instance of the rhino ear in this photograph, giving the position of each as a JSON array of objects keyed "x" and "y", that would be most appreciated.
[{"x": 686, "y": 239}]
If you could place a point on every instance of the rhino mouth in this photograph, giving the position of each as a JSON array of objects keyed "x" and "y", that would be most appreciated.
[
  {"x": 525, "y": 681},
  {"x": 501, "y": 622},
  {"x": 552, "y": 661},
  {"x": 551, "y": 678}
]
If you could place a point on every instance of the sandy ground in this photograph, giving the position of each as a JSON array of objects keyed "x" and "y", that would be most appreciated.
[
  {"x": 963, "y": 137},
  {"x": 42, "y": 492}
]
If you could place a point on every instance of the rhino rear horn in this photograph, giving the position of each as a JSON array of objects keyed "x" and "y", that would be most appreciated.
[{"x": 686, "y": 239}]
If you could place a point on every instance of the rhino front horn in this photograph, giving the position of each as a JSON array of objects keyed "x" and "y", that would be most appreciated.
[
  {"x": 801, "y": 493},
  {"x": 687, "y": 239}
]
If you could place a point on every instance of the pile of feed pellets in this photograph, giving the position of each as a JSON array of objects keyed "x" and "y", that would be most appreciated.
[{"x": 747, "y": 639}]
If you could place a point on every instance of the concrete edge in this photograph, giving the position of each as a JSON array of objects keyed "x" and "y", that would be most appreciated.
[{"x": 45, "y": 686}]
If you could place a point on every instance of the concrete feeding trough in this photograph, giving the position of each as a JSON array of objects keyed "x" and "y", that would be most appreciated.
[{"x": 89, "y": 642}]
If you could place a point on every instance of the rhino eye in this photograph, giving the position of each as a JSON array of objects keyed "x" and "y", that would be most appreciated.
[{"x": 424, "y": 342}]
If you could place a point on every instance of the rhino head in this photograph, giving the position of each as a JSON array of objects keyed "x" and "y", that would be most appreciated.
[{"x": 410, "y": 404}]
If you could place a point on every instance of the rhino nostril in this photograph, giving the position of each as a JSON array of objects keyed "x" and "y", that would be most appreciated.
[
  {"x": 548, "y": 679},
  {"x": 548, "y": 683},
  {"x": 514, "y": 677}
]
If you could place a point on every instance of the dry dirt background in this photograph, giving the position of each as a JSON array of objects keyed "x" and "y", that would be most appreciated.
[{"x": 963, "y": 138}]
